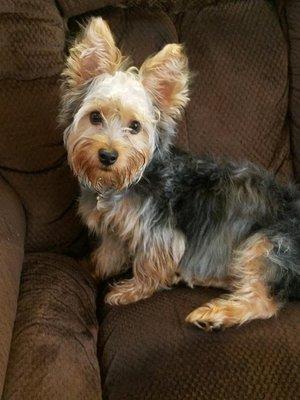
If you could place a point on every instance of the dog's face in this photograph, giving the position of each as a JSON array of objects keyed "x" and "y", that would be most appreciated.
[{"x": 117, "y": 118}]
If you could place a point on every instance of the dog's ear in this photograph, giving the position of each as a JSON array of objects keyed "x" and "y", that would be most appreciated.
[
  {"x": 93, "y": 54},
  {"x": 166, "y": 76}
]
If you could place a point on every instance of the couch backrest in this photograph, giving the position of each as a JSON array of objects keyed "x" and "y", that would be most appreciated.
[
  {"x": 31, "y": 149},
  {"x": 238, "y": 103}
]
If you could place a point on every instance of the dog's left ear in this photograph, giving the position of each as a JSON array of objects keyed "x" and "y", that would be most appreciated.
[
  {"x": 93, "y": 54},
  {"x": 166, "y": 76}
]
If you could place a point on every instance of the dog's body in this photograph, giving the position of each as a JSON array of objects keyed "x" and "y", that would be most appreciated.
[{"x": 170, "y": 215}]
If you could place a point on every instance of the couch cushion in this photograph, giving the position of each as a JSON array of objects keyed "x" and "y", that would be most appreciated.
[
  {"x": 240, "y": 89},
  {"x": 53, "y": 352},
  {"x": 147, "y": 351},
  {"x": 292, "y": 11}
]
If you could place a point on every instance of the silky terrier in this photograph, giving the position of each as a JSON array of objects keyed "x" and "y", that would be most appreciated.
[{"x": 167, "y": 214}]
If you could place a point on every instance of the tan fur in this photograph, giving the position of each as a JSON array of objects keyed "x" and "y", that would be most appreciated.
[
  {"x": 127, "y": 233},
  {"x": 93, "y": 53},
  {"x": 85, "y": 162},
  {"x": 250, "y": 299},
  {"x": 90, "y": 216},
  {"x": 109, "y": 258},
  {"x": 93, "y": 82},
  {"x": 166, "y": 77},
  {"x": 117, "y": 109},
  {"x": 85, "y": 141},
  {"x": 152, "y": 271}
]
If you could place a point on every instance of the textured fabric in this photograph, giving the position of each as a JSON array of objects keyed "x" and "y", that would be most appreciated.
[
  {"x": 33, "y": 161},
  {"x": 12, "y": 231},
  {"x": 32, "y": 156},
  {"x": 240, "y": 92},
  {"x": 238, "y": 108},
  {"x": 53, "y": 352},
  {"x": 172, "y": 7},
  {"x": 234, "y": 110},
  {"x": 293, "y": 23},
  {"x": 147, "y": 351},
  {"x": 32, "y": 39},
  {"x": 70, "y": 8}
]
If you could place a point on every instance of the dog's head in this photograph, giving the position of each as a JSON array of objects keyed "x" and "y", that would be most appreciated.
[{"x": 117, "y": 117}]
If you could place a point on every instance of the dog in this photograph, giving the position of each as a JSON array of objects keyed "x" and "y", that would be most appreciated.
[{"x": 170, "y": 215}]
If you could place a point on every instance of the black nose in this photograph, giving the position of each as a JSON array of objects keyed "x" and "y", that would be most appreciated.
[{"x": 108, "y": 157}]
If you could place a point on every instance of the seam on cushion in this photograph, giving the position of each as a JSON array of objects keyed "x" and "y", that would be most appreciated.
[
  {"x": 61, "y": 160},
  {"x": 64, "y": 212}
]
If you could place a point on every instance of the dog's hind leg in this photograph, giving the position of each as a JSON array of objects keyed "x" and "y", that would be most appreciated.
[{"x": 251, "y": 297}]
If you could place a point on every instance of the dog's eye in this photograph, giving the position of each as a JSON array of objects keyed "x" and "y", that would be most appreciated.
[
  {"x": 96, "y": 118},
  {"x": 135, "y": 126}
]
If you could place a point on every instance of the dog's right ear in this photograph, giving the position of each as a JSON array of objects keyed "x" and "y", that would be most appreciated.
[{"x": 93, "y": 54}]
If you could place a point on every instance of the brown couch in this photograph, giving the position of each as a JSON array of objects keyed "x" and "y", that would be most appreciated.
[{"x": 56, "y": 336}]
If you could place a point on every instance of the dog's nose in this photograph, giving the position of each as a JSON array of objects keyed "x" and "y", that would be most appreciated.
[{"x": 108, "y": 157}]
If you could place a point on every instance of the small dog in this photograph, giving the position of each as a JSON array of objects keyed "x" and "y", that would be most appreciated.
[{"x": 170, "y": 215}]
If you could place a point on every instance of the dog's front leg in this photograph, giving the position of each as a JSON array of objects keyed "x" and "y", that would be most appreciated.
[
  {"x": 109, "y": 259},
  {"x": 151, "y": 272}
]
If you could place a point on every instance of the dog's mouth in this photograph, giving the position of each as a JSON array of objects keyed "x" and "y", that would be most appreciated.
[
  {"x": 104, "y": 168},
  {"x": 117, "y": 175}
]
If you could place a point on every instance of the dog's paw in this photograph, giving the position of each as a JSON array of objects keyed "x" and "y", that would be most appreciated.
[
  {"x": 125, "y": 292},
  {"x": 205, "y": 319},
  {"x": 116, "y": 297},
  {"x": 217, "y": 314}
]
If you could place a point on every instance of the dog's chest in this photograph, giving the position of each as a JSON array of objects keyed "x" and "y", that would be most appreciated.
[{"x": 120, "y": 215}]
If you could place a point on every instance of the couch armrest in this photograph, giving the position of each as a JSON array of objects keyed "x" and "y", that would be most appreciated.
[
  {"x": 12, "y": 232},
  {"x": 53, "y": 353}
]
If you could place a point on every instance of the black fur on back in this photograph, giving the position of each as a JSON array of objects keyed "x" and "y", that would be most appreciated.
[{"x": 219, "y": 205}]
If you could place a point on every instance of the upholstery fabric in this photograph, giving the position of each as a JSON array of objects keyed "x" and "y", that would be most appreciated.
[
  {"x": 293, "y": 27},
  {"x": 240, "y": 93},
  {"x": 32, "y": 156},
  {"x": 53, "y": 353},
  {"x": 238, "y": 108},
  {"x": 234, "y": 111},
  {"x": 71, "y": 8},
  {"x": 147, "y": 351},
  {"x": 12, "y": 232}
]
